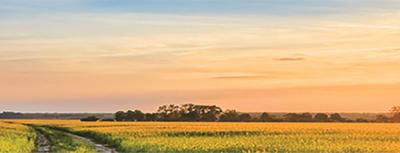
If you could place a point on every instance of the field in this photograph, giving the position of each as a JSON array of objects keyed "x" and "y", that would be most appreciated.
[
  {"x": 221, "y": 137},
  {"x": 15, "y": 138}
]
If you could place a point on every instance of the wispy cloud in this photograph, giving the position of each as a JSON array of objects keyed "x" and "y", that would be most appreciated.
[
  {"x": 235, "y": 77},
  {"x": 290, "y": 59}
]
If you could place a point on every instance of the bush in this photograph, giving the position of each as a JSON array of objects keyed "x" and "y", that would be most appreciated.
[{"x": 90, "y": 119}]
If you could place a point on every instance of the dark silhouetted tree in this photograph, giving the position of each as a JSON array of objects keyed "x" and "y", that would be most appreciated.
[
  {"x": 306, "y": 117},
  {"x": 90, "y": 119},
  {"x": 291, "y": 117},
  {"x": 361, "y": 120},
  {"x": 395, "y": 111},
  {"x": 129, "y": 115},
  {"x": 321, "y": 117},
  {"x": 229, "y": 116},
  {"x": 169, "y": 113},
  {"x": 382, "y": 118},
  {"x": 265, "y": 117},
  {"x": 245, "y": 117},
  {"x": 294, "y": 117},
  {"x": 336, "y": 117},
  {"x": 120, "y": 116},
  {"x": 208, "y": 113},
  {"x": 189, "y": 112},
  {"x": 138, "y": 115},
  {"x": 151, "y": 116}
]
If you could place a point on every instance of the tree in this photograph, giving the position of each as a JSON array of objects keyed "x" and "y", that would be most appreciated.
[
  {"x": 336, "y": 117},
  {"x": 294, "y": 117},
  {"x": 265, "y": 117},
  {"x": 382, "y": 118},
  {"x": 395, "y": 111},
  {"x": 190, "y": 112},
  {"x": 245, "y": 117},
  {"x": 321, "y": 117},
  {"x": 229, "y": 116},
  {"x": 306, "y": 117},
  {"x": 90, "y": 119},
  {"x": 151, "y": 116},
  {"x": 169, "y": 112},
  {"x": 209, "y": 113},
  {"x": 138, "y": 115},
  {"x": 291, "y": 117},
  {"x": 129, "y": 115},
  {"x": 361, "y": 120},
  {"x": 120, "y": 116}
]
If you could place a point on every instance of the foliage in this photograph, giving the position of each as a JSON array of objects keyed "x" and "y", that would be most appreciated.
[
  {"x": 229, "y": 116},
  {"x": 382, "y": 118},
  {"x": 212, "y": 113},
  {"x": 265, "y": 117},
  {"x": 321, "y": 117},
  {"x": 90, "y": 119},
  {"x": 336, "y": 117}
]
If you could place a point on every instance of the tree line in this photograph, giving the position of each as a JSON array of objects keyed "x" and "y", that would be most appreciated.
[{"x": 212, "y": 113}]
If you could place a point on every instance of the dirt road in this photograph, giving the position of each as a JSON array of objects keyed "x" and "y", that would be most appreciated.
[
  {"x": 44, "y": 145},
  {"x": 100, "y": 148}
]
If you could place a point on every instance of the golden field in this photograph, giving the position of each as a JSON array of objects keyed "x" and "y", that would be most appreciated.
[
  {"x": 234, "y": 137},
  {"x": 15, "y": 138}
]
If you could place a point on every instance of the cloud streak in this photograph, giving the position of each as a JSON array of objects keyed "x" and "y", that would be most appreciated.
[{"x": 290, "y": 59}]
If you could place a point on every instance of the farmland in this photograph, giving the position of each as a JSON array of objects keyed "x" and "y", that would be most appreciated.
[
  {"x": 15, "y": 138},
  {"x": 229, "y": 137}
]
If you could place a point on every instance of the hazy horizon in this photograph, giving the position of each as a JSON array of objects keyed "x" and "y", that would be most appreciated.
[{"x": 249, "y": 55}]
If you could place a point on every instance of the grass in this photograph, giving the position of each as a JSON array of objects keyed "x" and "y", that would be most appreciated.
[
  {"x": 239, "y": 137},
  {"x": 15, "y": 138}
]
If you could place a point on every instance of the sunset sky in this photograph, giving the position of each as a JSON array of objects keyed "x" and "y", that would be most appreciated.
[{"x": 250, "y": 55}]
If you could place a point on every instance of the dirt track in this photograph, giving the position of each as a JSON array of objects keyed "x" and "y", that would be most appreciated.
[
  {"x": 43, "y": 145},
  {"x": 99, "y": 147}
]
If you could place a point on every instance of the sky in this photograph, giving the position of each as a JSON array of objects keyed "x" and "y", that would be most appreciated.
[{"x": 249, "y": 55}]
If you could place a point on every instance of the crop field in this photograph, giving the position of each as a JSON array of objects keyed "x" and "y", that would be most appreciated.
[
  {"x": 225, "y": 137},
  {"x": 15, "y": 138}
]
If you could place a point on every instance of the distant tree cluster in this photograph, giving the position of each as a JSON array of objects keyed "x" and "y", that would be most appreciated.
[
  {"x": 186, "y": 112},
  {"x": 90, "y": 119},
  {"x": 11, "y": 115},
  {"x": 212, "y": 113}
]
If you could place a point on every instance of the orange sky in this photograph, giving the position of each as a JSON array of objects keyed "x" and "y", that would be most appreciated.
[{"x": 101, "y": 61}]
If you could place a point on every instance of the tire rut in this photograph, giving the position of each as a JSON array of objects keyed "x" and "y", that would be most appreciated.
[
  {"x": 100, "y": 148},
  {"x": 42, "y": 143}
]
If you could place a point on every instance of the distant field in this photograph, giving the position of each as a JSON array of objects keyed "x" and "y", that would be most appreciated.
[{"x": 230, "y": 137}]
